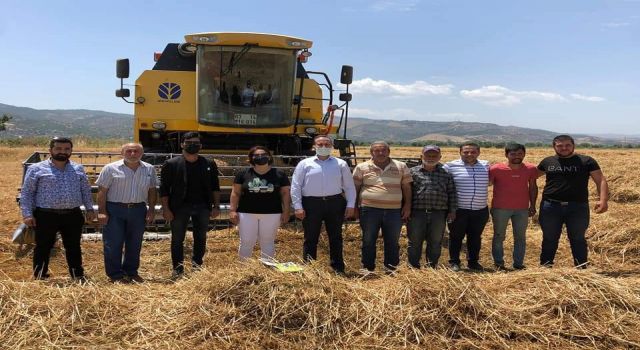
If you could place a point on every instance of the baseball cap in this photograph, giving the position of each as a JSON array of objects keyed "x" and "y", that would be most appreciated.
[{"x": 430, "y": 148}]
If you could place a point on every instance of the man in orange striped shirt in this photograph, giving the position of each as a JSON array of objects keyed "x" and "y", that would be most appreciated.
[{"x": 383, "y": 186}]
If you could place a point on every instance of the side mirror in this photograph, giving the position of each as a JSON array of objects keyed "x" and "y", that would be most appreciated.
[
  {"x": 346, "y": 76},
  {"x": 345, "y": 97},
  {"x": 122, "y": 68},
  {"x": 122, "y": 93}
]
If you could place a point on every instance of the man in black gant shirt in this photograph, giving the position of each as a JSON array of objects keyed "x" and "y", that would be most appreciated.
[
  {"x": 565, "y": 199},
  {"x": 189, "y": 189}
]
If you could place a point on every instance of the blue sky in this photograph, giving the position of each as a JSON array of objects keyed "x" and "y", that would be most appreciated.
[{"x": 566, "y": 66}]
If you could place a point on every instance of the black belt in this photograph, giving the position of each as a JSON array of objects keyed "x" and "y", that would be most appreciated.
[
  {"x": 556, "y": 201},
  {"x": 325, "y": 198},
  {"x": 58, "y": 211},
  {"x": 129, "y": 205},
  {"x": 428, "y": 211}
]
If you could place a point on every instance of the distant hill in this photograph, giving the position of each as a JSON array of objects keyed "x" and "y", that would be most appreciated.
[
  {"x": 68, "y": 122},
  {"x": 362, "y": 129},
  {"x": 100, "y": 124}
]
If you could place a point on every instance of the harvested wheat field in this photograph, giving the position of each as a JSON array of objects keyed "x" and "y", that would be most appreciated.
[{"x": 230, "y": 304}]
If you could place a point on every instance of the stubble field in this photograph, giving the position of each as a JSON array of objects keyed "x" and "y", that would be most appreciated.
[{"x": 230, "y": 304}]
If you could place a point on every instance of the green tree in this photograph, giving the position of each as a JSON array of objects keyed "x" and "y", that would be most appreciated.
[{"x": 3, "y": 121}]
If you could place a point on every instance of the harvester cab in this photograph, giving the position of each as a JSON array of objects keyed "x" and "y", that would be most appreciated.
[{"x": 237, "y": 90}]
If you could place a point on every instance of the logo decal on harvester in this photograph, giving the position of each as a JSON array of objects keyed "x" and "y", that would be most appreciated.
[{"x": 169, "y": 91}]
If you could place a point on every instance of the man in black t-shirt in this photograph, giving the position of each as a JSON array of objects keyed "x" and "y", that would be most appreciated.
[
  {"x": 565, "y": 199},
  {"x": 189, "y": 189}
]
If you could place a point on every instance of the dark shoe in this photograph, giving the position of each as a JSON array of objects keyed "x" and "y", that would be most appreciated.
[
  {"x": 340, "y": 273},
  {"x": 433, "y": 265},
  {"x": 41, "y": 277},
  {"x": 120, "y": 280},
  {"x": 475, "y": 266},
  {"x": 501, "y": 267},
  {"x": 177, "y": 274},
  {"x": 81, "y": 279},
  {"x": 135, "y": 279},
  {"x": 519, "y": 267},
  {"x": 390, "y": 271},
  {"x": 196, "y": 267},
  {"x": 366, "y": 273},
  {"x": 454, "y": 267}
]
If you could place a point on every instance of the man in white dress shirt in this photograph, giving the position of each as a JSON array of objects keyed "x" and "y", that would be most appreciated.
[{"x": 322, "y": 189}]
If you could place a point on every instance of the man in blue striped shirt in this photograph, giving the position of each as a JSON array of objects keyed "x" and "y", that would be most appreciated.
[
  {"x": 125, "y": 187},
  {"x": 52, "y": 193},
  {"x": 471, "y": 177}
]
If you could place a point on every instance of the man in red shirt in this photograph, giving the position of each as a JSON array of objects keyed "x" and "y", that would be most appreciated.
[{"x": 514, "y": 197}]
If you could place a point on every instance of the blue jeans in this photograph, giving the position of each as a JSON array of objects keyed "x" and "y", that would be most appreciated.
[
  {"x": 371, "y": 221},
  {"x": 519, "y": 221},
  {"x": 199, "y": 215},
  {"x": 575, "y": 215},
  {"x": 124, "y": 229},
  {"x": 427, "y": 226}
]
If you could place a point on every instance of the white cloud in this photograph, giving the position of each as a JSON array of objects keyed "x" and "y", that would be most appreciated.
[
  {"x": 394, "y": 5},
  {"x": 616, "y": 24},
  {"x": 390, "y": 89},
  {"x": 395, "y": 113},
  {"x": 408, "y": 114},
  {"x": 588, "y": 98},
  {"x": 497, "y": 95}
]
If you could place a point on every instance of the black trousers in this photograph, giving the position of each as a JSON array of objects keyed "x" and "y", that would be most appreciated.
[
  {"x": 199, "y": 215},
  {"x": 470, "y": 223},
  {"x": 331, "y": 211},
  {"x": 48, "y": 224}
]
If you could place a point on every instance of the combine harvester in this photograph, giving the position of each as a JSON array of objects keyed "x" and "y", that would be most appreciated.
[{"x": 237, "y": 90}]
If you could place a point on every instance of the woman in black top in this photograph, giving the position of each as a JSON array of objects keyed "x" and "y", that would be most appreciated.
[{"x": 259, "y": 202}]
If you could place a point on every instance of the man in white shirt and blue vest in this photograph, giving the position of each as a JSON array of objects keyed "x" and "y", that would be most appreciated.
[
  {"x": 317, "y": 189},
  {"x": 125, "y": 188},
  {"x": 471, "y": 177}
]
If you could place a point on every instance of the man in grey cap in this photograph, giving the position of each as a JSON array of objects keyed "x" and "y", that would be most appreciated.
[{"x": 434, "y": 202}]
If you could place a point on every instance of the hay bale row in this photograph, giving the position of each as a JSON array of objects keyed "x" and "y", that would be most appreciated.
[{"x": 247, "y": 305}]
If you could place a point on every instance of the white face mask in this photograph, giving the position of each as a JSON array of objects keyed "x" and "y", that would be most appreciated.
[{"x": 323, "y": 151}]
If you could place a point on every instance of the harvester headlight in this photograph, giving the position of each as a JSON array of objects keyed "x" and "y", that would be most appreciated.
[
  {"x": 311, "y": 131},
  {"x": 159, "y": 125}
]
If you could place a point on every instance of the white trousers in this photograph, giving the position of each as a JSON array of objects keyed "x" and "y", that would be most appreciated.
[{"x": 254, "y": 227}]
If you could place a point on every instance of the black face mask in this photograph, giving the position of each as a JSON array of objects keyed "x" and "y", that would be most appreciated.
[
  {"x": 260, "y": 160},
  {"x": 192, "y": 148},
  {"x": 60, "y": 157}
]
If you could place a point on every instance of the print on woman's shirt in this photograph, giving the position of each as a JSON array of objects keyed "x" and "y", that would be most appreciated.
[{"x": 258, "y": 185}]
